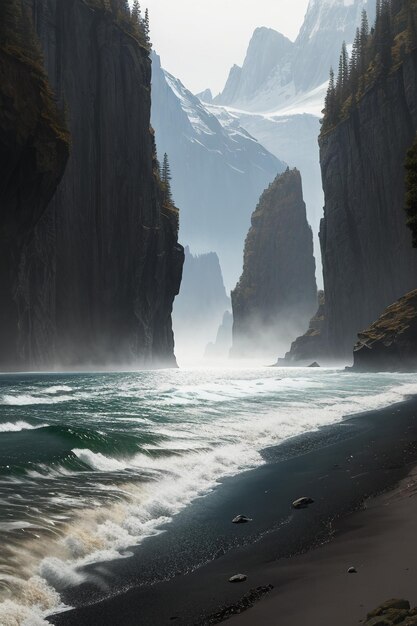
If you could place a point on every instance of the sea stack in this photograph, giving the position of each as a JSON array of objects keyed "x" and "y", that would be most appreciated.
[{"x": 277, "y": 294}]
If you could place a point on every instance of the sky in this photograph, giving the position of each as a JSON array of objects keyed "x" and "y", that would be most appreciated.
[{"x": 199, "y": 40}]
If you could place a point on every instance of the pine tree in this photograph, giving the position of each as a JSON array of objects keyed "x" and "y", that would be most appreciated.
[
  {"x": 166, "y": 181},
  {"x": 146, "y": 27},
  {"x": 136, "y": 13},
  {"x": 342, "y": 76},
  {"x": 330, "y": 108}
]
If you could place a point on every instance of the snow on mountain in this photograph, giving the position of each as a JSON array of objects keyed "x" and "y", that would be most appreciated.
[
  {"x": 218, "y": 170},
  {"x": 294, "y": 135},
  {"x": 277, "y": 71},
  {"x": 278, "y": 93}
]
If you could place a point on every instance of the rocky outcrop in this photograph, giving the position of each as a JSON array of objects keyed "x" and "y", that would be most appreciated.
[
  {"x": 311, "y": 345},
  {"x": 98, "y": 280},
  {"x": 368, "y": 261},
  {"x": 390, "y": 343},
  {"x": 33, "y": 152},
  {"x": 200, "y": 306},
  {"x": 219, "y": 350},
  {"x": 218, "y": 169},
  {"x": 395, "y": 611},
  {"x": 276, "y": 294}
]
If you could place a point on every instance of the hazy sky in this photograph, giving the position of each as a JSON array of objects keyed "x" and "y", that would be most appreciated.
[{"x": 199, "y": 40}]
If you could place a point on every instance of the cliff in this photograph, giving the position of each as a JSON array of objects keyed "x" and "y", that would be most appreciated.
[
  {"x": 98, "y": 280},
  {"x": 33, "y": 153},
  {"x": 201, "y": 304},
  {"x": 368, "y": 261},
  {"x": 310, "y": 346},
  {"x": 276, "y": 295},
  {"x": 220, "y": 348},
  {"x": 390, "y": 343}
]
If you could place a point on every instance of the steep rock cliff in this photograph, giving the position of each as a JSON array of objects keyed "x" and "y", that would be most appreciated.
[
  {"x": 33, "y": 154},
  {"x": 310, "y": 346},
  {"x": 390, "y": 343},
  {"x": 276, "y": 295},
  {"x": 368, "y": 261},
  {"x": 100, "y": 276}
]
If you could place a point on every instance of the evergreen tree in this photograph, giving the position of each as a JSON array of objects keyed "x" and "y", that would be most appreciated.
[
  {"x": 342, "y": 76},
  {"x": 411, "y": 190},
  {"x": 166, "y": 181},
  {"x": 136, "y": 14},
  {"x": 146, "y": 27},
  {"x": 330, "y": 106}
]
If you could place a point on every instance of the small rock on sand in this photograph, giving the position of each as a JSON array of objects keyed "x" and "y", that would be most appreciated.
[
  {"x": 352, "y": 570},
  {"x": 302, "y": 503},
  {"x": 237, "y": 578},
  {"x": 241, "y": 519}
]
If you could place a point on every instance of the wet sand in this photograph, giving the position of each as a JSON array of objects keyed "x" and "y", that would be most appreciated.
[{"x": 181, "y": 576}]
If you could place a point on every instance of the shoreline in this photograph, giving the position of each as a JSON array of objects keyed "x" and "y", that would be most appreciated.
[{"x": 182, "y": 575}]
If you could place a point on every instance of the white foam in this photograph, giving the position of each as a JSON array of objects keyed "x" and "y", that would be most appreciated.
[
  {"x": 98, "y": 461},
  {"x": 27, "y": 399},
  {"x": 14, "y": 427},
  {"x": 228, "y": 420}
]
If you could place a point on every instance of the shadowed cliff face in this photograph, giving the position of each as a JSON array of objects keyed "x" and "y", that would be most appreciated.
[
  {"x": 368, "y": 261},
  {"x": 277, "y": 294},
  {"x": 100, "y": 276},
  {"x": 33, "y": 153}
]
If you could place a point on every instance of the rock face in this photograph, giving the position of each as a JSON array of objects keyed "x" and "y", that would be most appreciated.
[
  {"x": 390, "y": 343},
  {"x": 368, "y": 261},
  {"x": 276, "y": 294},
  {"x": 311, "y": 345},
  {"x": 98, "y": 279},
  {"x": 276, "y": 71},
  {"x": 220, "y": 349},
  {"x": 33, "y": 152},
  {"x": 219, "y": 170},
  {"x": 200, "y": 306}
]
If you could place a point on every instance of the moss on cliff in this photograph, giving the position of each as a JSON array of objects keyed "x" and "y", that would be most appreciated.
[{"x": 390, "y": 343}]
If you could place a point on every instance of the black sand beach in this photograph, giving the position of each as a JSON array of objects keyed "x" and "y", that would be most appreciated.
[{"x": 303, "y": 554}]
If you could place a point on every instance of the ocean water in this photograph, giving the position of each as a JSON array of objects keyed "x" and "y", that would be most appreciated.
[{"x": 91, "y": 464}]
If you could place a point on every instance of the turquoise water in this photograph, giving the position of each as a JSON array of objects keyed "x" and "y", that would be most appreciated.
[{"x": 90, "y": 464}]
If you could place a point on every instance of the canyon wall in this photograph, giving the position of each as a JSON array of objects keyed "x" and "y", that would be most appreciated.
[
  {"x": 368, "y": 260},
  {"x": 99, "y": 276}
]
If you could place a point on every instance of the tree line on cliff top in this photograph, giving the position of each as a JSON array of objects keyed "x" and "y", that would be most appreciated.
[{"x": 375, "y": 52}]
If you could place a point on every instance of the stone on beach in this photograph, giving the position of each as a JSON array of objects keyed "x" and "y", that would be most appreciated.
[
  {"x": 237, "y": 578},
  {"x": 392, "y": 612},
  {"x": 352, "y": 570},
  {"x": 302, "y": 503},
  {"x": 315, "y": 364},
  {"x": 241, "y": 519}
]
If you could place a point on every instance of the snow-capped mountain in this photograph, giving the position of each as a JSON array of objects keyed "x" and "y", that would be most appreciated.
[
  {"x": 278, "y": 93},
  {"x": 218, "y": 170},
  {"x": 277, "y": 72}
]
